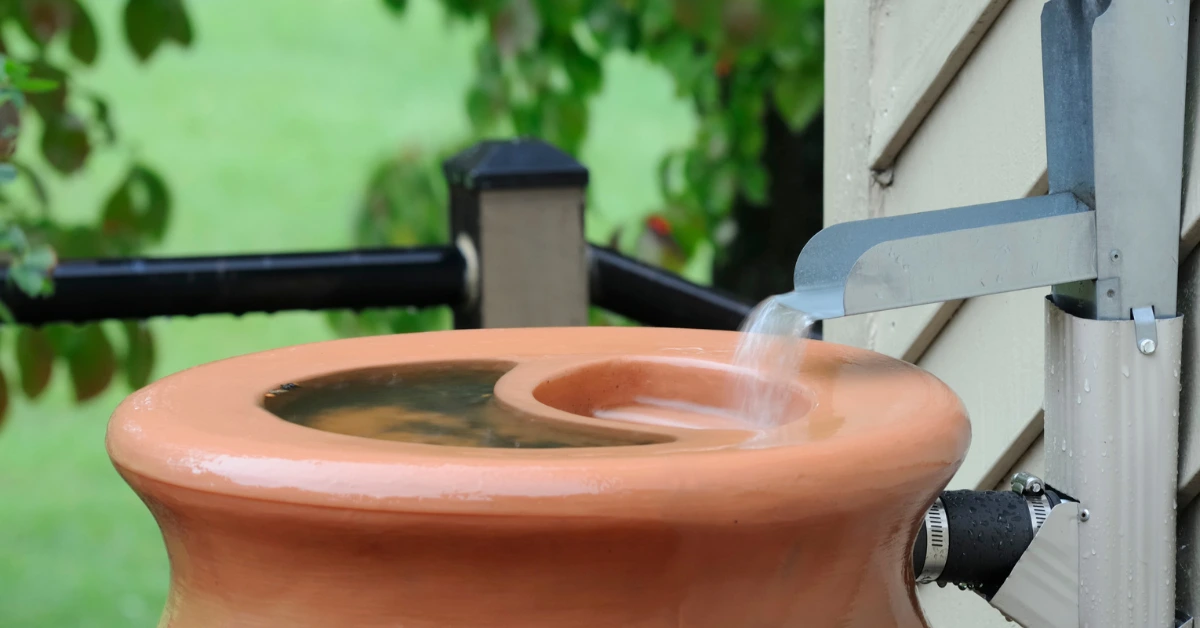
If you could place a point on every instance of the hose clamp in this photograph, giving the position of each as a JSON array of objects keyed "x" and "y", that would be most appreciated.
[
  {"x": 937, "y": 542},
  {"x": 1039, "y": 510}
]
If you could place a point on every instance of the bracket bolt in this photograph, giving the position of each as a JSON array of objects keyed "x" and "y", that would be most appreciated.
[
  {"x": 1084, "y": 515},
  {"x": 1114, "y": 255},
  {"x": 1026, "y": 484},
  {"x": 1147, "y": 346}
]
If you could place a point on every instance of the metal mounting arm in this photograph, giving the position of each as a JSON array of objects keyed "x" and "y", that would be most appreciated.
[{"x": 929, "y": 257}]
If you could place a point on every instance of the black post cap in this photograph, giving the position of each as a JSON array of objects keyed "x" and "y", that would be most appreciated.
[{"x": 514, "y": 164}]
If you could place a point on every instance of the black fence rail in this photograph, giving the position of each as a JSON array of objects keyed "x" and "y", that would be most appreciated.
[{"x": 92, "y": 290}]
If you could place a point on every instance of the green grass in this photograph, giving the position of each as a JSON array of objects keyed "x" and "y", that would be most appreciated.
[{"x": 266, "y": 131}]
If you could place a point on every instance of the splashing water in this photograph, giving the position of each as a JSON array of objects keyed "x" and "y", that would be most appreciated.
[{"x": 771, "y": 350}]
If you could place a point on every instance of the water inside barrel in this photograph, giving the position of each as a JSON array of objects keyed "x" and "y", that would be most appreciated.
[{"x": 432, "y": 404}]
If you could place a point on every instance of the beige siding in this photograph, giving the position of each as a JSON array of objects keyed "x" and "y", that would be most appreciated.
[
  {"x": 955, "y": 114},
  {"x": 946, "y": 95},
  {"x": 991, "y": 354},
  {"x": 918, "y": 47},
  {"x": 982, "y": 142}
]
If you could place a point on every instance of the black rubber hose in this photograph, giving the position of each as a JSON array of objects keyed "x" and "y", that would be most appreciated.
[
  {"x": 987, "y": 533},
  {"x": 989, "y": 530}
]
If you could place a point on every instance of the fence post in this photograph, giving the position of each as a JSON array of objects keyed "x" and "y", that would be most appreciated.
[{"x": 516, "y": 207}]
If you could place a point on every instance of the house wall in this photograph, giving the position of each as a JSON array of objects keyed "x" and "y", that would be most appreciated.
[{"x": 937, "y": 104}]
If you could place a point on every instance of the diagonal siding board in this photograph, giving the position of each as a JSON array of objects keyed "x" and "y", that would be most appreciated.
[
  {"x": 918, "y": 48},
  {"x": 992, "y": 354},
  {"x": 989, "y": 120},
  {"x": 1189, "y": 423}
]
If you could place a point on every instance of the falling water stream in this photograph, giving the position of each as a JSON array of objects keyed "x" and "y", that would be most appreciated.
[{"x": 771, "y": 350}]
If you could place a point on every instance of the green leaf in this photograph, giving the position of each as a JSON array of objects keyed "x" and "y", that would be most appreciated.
[
  {"x": 81, "y": 241},
  {"x": 43, "y": 19},
  {"x": 145, "y": 26},
  {"x": 178, "y": 24},
  {"x": 63, "y": 338},
  {"x": 139, "y": 358},
  {"x": 585, "y": 72},
  {"x": 754, "y": 181},
  {"x": 720, "y": 189},
  {"x": 49, "y": 103},
  {"x": 155, "y": 202},
  {"x": 396, "y": 5},
  {"x": 13, "y": 240},
  {"x": 413, "y": 320},
  {"x": 6, "y": 315},
  {"x": 31, "y": 280},
  {"x": 35, "y": 181},
  {"x": 137, "y": 210},
  {"x": 612, "y": 26},
  {"x": 11, "y": 95},
  {"x": 91, "y": 362},
  {"x": 31, "y": 269},
  {"x": 36, "y": 85},
  {"x": 40, "y": 256},
  {"x": 35, "y": 361},
  {"x": 658, "y": 16},
  {"x": 65, "y": 143},
  {"x": 479, "y": 108},
  {"x": 83, "y": 42},
  {"x": 104, "y": 118},
  {"x": 119, "y": 221},
  {"x": 798, "y": 97}
]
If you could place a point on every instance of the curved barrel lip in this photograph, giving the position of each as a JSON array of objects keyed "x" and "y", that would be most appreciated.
[{"x": 205, "y": 429}]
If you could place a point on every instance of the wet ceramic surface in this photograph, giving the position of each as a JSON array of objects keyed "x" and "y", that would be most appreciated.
[{"x": 810, "y": 523}]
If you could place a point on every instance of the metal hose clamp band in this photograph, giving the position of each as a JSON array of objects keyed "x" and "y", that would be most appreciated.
[{"x": 937, "y": 542}]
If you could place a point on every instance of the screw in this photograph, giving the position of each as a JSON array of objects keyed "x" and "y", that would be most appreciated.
[
  {"x": 1146, "y": 346},
  {"x": 1084, "y": 515},
  {"x": 1024, "y": 483},
  {"x": 1114, "y": 255}
]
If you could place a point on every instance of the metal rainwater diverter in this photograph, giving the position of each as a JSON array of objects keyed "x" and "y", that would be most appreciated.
[{"x": 1106, "y": 238}]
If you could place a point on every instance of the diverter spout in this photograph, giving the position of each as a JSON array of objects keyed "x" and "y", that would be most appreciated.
[{"x": 900, "y": 261}]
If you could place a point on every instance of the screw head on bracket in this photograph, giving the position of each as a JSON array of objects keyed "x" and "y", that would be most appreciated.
[
  {"x": 1026, "y": 484},
  {"x": 1147, "y": 346},
  {"x": 1084, "y": 515}
]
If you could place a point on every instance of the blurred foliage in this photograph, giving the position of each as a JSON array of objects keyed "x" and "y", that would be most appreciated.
[
  {"x": 542, "y": 64},
  {"x": 74, "y": 121},
  {"x": 405, "y": 205}
]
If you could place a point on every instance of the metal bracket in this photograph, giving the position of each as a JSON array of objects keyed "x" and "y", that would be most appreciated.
[
  {"x": 1146, "y": 329},
  {"x": 1183, "y": 620},
  {"x": 1043, "y": 589}
]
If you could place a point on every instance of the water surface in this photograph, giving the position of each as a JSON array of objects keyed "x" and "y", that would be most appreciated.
[{"x": 433, "y": 404}]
